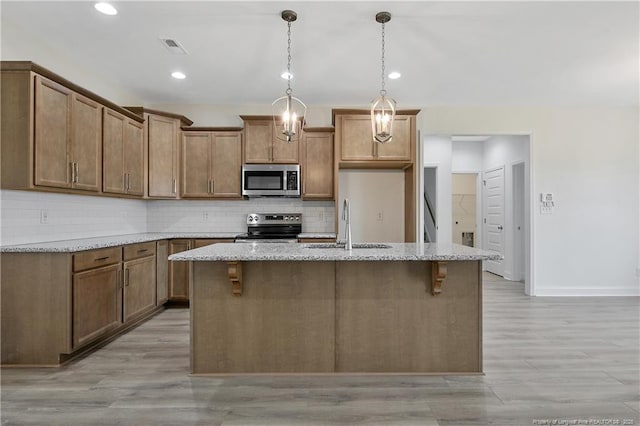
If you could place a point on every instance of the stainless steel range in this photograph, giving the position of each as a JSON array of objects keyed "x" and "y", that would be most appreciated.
[{"x": 272, "y": 228}]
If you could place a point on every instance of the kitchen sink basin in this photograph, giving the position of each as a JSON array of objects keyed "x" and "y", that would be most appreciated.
[{"x": 341, "y": 246}]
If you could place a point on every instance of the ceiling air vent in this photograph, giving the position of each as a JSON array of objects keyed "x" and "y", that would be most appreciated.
[{"x": 173, "y": 46}]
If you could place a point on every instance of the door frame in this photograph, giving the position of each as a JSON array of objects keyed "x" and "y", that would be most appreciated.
[
  {"x": 530, "y": 217},
  {"x": 518, "y": 268}
]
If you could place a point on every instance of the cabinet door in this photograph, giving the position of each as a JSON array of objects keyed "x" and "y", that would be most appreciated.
[
  {"x": 317, "y": 165},
  {"x": 162, "y": 272},
  {"x": 258, "y": 136},
  {"x": 227, "y": 165},
  {"x": 134, "y": 158},
  {"x": 97, "y": 303},
  {"x": 86, "y": 143},
  {"x": 113, "y": 175},
  {"x": 196, "y": 165},
  {"x": 179, "y": 272},
  {"x": 286, "y": 152},
  {"x": 399, "y": 149},
  {"x": 52, "y": 122},
  {"x": 163, "y": 156},
  {"x": 139, "y": 287},
  {"x": 356, "y": 142}
]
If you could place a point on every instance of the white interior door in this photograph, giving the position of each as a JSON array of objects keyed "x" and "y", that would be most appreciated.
[{"x": 493, "y": 222}]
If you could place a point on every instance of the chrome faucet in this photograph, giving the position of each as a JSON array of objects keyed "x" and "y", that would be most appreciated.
[{"x": 346, "y": 216}]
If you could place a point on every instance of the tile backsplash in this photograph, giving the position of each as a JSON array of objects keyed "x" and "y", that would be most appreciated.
[
  {"x": 28, "y": 217},
  {"x": 230, "y": 216}
]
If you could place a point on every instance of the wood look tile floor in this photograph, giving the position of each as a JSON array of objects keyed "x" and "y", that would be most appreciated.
[{"x": 569, "y": 360}]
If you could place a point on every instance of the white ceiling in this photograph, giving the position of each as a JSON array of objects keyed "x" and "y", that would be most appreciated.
[{"x": 449, "y": 53}]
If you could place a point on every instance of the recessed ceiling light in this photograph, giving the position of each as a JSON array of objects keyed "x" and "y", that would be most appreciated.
[
  {"x": 106, "y": 8},
  {"x": 179, "y": 75},
  {"x": 286, "y": 75},
  {"x": 394, "y": 75}
]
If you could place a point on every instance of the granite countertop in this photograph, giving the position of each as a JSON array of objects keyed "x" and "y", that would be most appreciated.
[
  {"x": 69, "y": 246},
  {"x": 82, "y": 244},
  {"x": 307, "y": 252},
  {"x": 328, "y": 235}
]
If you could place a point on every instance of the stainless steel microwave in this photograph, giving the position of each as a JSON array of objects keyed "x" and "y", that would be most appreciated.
[{"x": 269, "y": 180}]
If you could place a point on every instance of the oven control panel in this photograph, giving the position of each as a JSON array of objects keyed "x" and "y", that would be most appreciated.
[{"x": 266, "y": 219}]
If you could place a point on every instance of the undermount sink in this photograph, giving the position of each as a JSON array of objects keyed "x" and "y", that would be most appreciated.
[{"x": 341, "y": 246}]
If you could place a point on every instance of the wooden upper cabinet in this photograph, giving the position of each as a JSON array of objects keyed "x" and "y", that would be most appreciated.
[
  {"x": 211, "y": 164},
  {"x": 52, "y": 131},
  {"x": 262, "y": 146},
  {"x": 123, "y": 155},
  {"x": 356, "y": 146},
  {"x": 316, "y": 155},
  {"x": 52, "y": 123},
  {"x": 196, "y": 160},
  {"x": 86, "y": 143},
  {"x": 163, "y": 134},
  {"x": 226, "y": 164}
]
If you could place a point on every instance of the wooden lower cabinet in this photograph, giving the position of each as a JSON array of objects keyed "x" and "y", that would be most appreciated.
[
  {"x": 55, "y": 306},
  {"x": 97, "y": 303},
  {"x": 179, "y": 271},
  {"x": 139, "y": 290},
  {"x": 162, "y": 272}
]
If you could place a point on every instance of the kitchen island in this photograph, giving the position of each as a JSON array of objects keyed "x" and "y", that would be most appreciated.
[{"x": 315, "y": 308}]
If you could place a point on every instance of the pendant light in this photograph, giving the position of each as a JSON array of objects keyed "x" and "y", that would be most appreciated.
[
  {"x": 288, "y": 110},
  {"x": 383, "y": 108}
]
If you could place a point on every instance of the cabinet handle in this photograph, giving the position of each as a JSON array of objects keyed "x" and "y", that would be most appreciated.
[
  {"x": 126, "y": 277},
  {"x": 73, "y": 171},
  {"x": 142, "y": 250},
  {"x": 213, "y": 186},
  {"x": 101, "y": 259},
  {"x": 175, "y": 189},
  {"x": 77, "y": 172},
  {"x": 271, "y": 155},
  {"x": 126, "y": 182}
]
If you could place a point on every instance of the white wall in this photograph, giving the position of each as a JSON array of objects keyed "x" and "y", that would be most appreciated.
[
  {"x": 68, "y": 216},
  {"x": 17, "y": 44},
  {"x": 589, "y": 246},
  {"x": 467, "y": 157},
  {"x": 376, "y": 198}
]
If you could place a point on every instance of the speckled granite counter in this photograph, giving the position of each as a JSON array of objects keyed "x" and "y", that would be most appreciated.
[
  {"x": 311, "y": 252},
  {"x": 69, "y": 246},
  {"x": 318, "y": 235}
]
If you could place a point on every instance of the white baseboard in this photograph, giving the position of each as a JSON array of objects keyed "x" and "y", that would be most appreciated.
[{"x": 579, "y": 292}]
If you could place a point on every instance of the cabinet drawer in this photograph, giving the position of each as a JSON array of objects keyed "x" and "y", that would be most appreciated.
[
  {"x": 135, "y": 251},
  {"x": 96, "y": 258}
]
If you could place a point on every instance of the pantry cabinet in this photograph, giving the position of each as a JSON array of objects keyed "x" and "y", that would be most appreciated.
[
  {"x": 262, "y": 145},
  {"x": 316, "y": 155},
  {"x": 123, "y": 150},
  {"x": 52, "y": 132},
  {"x": 211, "y": 164}
]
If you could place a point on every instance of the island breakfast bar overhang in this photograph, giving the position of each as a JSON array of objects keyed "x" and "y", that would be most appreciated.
[{"x": 296, "y": 308}]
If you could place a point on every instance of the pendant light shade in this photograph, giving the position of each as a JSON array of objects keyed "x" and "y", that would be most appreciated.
[
  {"x": 383, "y": 108},
  {"x": 288, "y": 110}
]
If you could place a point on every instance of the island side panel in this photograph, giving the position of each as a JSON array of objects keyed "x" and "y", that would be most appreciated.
[
  {"x": 284, "y": 321},
  {"x": 387, "y": 320}
]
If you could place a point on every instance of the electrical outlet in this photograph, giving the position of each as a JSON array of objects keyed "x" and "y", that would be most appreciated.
[
  {"x": 205, "y": 216},
  {"x": 380, "y": 217},
  {"x": 44, "y": 216}
]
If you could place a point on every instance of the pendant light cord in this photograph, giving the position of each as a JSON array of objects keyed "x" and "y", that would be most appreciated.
[
  {"x": 383, "y": 92},
  {"x": 289, "y": 91}
]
